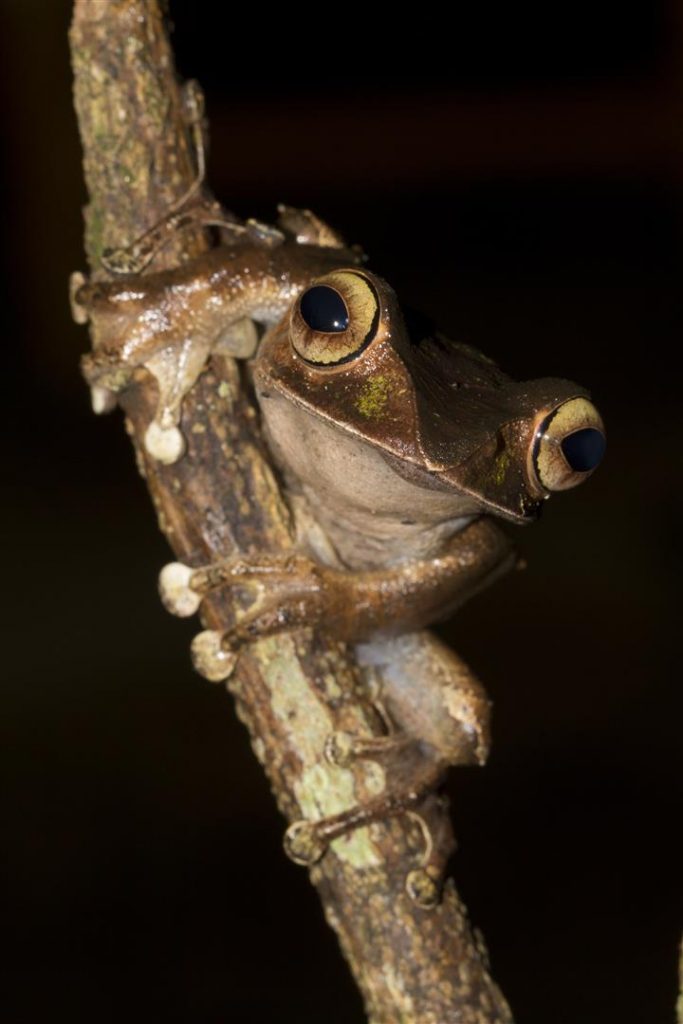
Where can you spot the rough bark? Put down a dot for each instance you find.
(411, 964)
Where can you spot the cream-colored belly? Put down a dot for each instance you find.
(372, 515)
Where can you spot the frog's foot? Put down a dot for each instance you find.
(211, 658)
(79, 311)
(164, 441)
(106, 377)
(306, 842)
(182, 588)
(215, 653)
(175, 370)
(307, 228)
(425, 882)
(290, 597)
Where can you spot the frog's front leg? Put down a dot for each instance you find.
(298, 592)
(168, 323)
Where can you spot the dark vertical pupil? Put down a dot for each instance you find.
(323, 309)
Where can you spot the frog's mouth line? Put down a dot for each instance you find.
(513, 502)
(529, 508)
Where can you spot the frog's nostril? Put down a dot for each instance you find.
(584, 449)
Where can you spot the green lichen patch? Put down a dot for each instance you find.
(374, 396)
(500, 468)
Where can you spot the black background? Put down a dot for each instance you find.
(519, 177)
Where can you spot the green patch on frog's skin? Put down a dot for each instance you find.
(374, 396)
(500, 467)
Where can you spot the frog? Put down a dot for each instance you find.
(398, 450)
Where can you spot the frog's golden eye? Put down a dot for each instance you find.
(335, 319)
(568, 445)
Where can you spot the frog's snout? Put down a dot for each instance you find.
(567, 445)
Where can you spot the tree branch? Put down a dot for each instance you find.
(411, 964)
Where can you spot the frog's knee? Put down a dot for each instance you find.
(468, 720)
(432, 694)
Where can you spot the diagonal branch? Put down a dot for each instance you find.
(411, 964)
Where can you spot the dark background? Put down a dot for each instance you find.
(519, 177)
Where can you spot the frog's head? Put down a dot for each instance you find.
(442, 414)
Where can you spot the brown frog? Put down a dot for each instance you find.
(396, 445)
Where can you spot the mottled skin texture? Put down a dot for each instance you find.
(342, 747)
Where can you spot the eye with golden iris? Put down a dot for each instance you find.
(335, 319)
(568, 445)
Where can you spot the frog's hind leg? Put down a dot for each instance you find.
(439, 716)
(191, 209)
(195, 208)
(430, 693)
(421, 683)
(404, 760)
(412, 781)
(413, 795)
(201, 213)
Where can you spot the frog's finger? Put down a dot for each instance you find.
(182, 588)
(215, 654)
